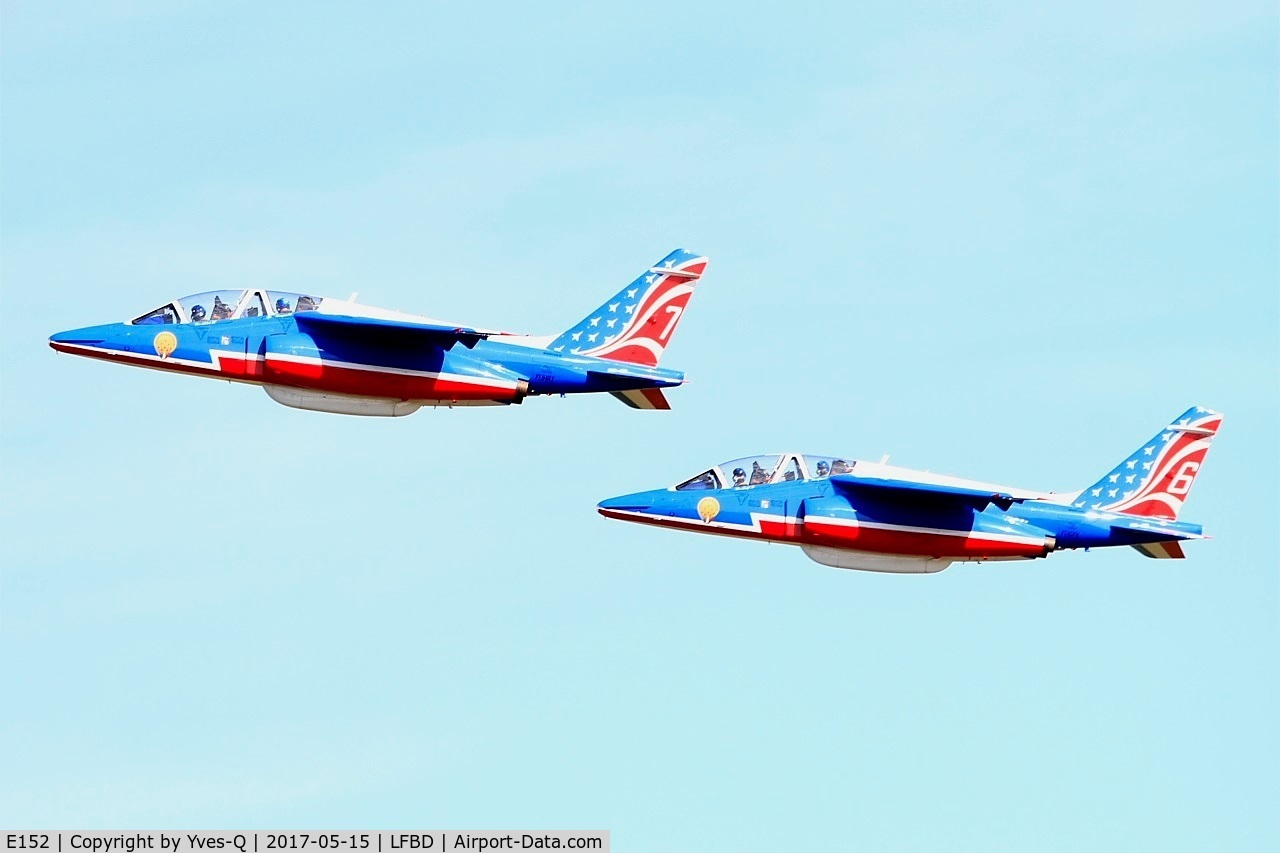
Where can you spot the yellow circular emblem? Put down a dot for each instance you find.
(165, 343)
(708, 508)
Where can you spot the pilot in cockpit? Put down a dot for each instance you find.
(283, 306)
(739, 478)
(221, 310)
(197, 314)
(823, 469)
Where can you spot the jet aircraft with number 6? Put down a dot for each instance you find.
(876, 517)
(330, 355)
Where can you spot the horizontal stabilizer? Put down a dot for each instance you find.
(933, 492)
(619, 371)
(1161, 550)
(386, 330)
(678, 273)
(1145, 527)
(643, 398)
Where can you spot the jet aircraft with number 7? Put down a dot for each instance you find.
(330, 355)
(876, 517)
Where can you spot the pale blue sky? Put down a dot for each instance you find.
(990, 241)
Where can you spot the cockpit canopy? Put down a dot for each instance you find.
(216, 305)
(760, 470)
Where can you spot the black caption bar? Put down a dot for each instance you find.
(258, 841)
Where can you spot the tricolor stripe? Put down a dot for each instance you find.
(643, 398)
(317, 374)
(874, 537)
(1162, 550)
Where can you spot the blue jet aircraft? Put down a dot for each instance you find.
(329, 355)
(879, 518)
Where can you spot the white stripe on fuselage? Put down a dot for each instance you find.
(394, 371)
(158, 362)
(214, 367)
(725, 526)
(818, 520)
(927, 531)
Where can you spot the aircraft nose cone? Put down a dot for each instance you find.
(75, 336)
(638, 502)
(88, 336)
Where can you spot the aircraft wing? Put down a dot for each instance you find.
(935, 493)
(377, 329)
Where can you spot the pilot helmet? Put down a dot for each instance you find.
(197, 313)
(738, 472)
(823, 468)
(282, 304)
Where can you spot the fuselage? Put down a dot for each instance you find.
(798, 503)
(350, 372)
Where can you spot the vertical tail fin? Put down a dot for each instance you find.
(1156, 478)
(637, 324)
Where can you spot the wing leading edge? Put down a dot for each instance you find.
(930, 492)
